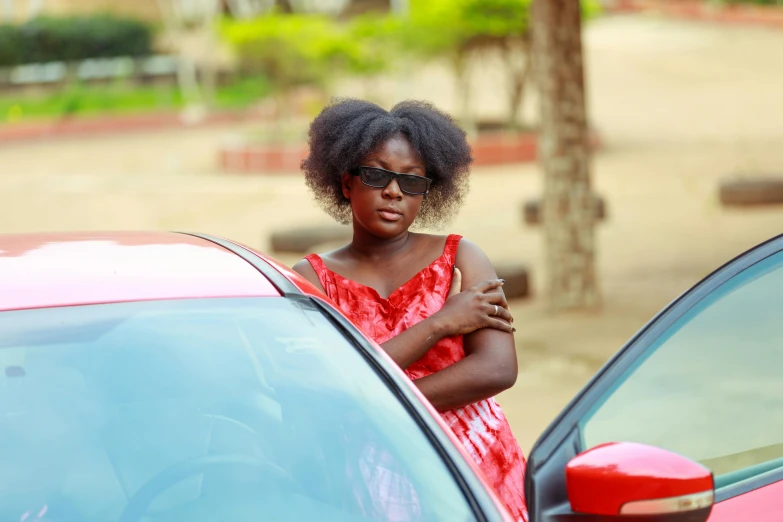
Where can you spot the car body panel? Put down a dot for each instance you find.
(764, 504)
(45, 270)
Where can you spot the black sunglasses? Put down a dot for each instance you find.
(379, 178)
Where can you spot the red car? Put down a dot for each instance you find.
(183, 377)
(176, 377)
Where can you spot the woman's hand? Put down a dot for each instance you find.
(490, 362)
(475, 308)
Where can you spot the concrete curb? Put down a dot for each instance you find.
(750, 192)
(302, 240)
(517, 278)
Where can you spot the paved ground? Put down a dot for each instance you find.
(680, 106)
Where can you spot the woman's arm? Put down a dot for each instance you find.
(463, 312)
(490, 363)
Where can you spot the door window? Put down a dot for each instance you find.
(711, 386)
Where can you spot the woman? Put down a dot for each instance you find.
(432, 302)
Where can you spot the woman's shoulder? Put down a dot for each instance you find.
(313, 262)
(473, 263)
(463, 253)
(469, 251)
(441, 240)
(334, 258)
(304, 268)
(436, 241)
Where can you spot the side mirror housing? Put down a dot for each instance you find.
(626, 479)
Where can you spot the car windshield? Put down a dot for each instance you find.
(205, 410)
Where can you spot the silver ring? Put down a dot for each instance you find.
(496, 309)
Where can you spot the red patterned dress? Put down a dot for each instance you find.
(481, 427)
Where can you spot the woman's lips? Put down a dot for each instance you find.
(390, 215)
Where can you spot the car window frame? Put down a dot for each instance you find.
(561, 441)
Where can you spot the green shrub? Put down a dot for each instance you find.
(293, 50)
(49, 39)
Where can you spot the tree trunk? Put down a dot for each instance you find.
(284, 6)
(568, 209)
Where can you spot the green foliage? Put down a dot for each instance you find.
(591, 9)
(296, 49)
(451, 27)
(83, 100)
(123, 98)
(242, 92)
(494, 18)
(49, 39)
(292, 49)
(377, 37)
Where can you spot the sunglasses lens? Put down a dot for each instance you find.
(375, 178)
(413, 184)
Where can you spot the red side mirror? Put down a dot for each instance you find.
(626, 478)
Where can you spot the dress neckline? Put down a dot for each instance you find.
(372, 291)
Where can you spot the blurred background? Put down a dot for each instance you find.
(192, 115)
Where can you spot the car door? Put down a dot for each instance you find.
(704, 381)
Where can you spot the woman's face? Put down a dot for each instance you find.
(386, 212)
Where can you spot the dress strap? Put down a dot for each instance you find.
(316, 262)
(320, 269)
(450, 250)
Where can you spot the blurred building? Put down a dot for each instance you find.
(20, 10)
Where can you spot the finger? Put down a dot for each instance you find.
(506, 315)
(503, 326)
(456, 282)
(496, 298)
(500, 313)
(490, 284)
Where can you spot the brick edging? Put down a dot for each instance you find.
(487, 149)
(86, 126)
(754, 15)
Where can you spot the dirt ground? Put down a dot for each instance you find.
(680, 107)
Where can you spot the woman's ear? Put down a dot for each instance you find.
(346, 181)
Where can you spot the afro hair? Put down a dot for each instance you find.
(347, 130)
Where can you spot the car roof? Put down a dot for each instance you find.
(64, 269)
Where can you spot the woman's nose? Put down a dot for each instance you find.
(392, 190)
